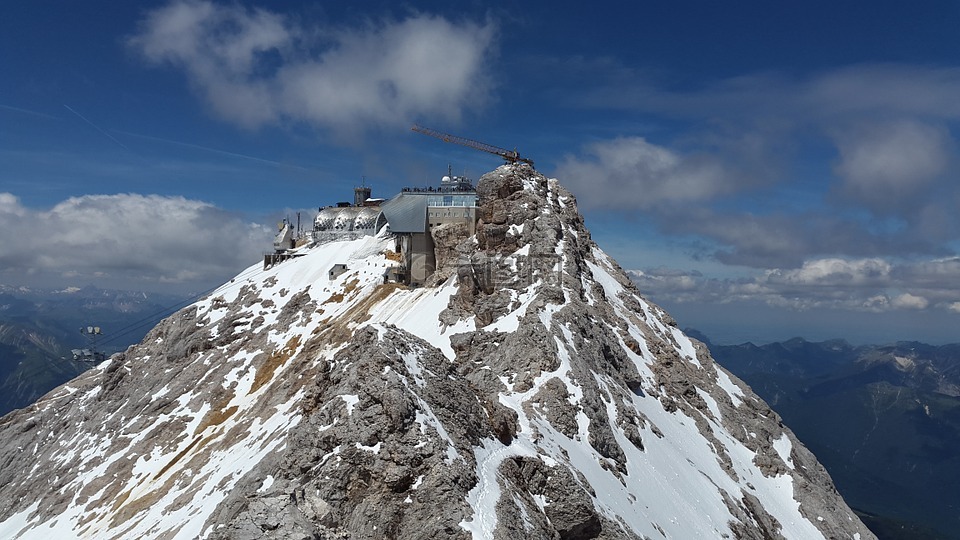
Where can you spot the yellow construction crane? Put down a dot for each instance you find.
(511, 156)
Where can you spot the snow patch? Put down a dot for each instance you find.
(484, 496)
(374, 449)
(351, 401)
(267, 482)
(784, 447)
(711, 404)
(724, 381)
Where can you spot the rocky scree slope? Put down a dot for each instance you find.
(530, 391)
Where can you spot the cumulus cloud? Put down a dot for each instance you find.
(931, 273)
(126, 241)
(687, 195)
(888, 123)
(833, 272)
(869, 284)
(910, 301)
(256, 67)
(760, 241)
(10, 206)
(632, 173)
(885, 164)
(770, 238)
(895, 199)
(667, 280)
(875, 232)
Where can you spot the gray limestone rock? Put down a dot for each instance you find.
(563, 406)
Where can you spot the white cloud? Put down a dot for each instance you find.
(910, 301)
(255, 67)
(833, 271)
(631, 173)
(666, 279)
(884, 88)
(10, 206)
(889, 123)
(932, 273)
(854, 91)
(127, 241)
(877, 303)
(870, 284)
(882, 163)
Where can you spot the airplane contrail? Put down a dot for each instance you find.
(208, 149)
(96, 127)
(28, 111)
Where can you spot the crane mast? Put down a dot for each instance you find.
(511, 156)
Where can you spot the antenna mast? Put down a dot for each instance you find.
(511, 156)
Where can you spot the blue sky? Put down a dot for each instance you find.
(766, 170)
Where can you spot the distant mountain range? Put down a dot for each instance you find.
(883, 419)
(40, 327)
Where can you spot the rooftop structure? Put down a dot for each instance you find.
(347, 219)
(414, 212)
(346, 222)
(411, 217)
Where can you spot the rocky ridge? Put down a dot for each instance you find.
(530, 390)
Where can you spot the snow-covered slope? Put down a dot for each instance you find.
(528, 390)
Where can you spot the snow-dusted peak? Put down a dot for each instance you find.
(527, 390)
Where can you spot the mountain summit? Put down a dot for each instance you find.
(525, 389)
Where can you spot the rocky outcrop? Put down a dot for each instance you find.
(447, 240)
(362, 464)
(529, 391)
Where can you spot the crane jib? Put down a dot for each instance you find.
(510, 156)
